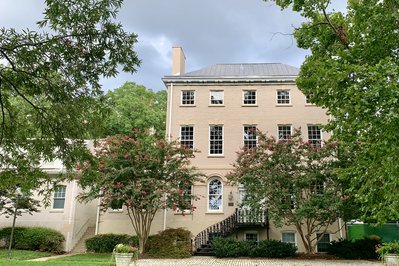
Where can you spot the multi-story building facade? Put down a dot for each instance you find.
(216, 110)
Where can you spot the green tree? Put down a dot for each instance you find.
(353, 71)
(295, 181)
(50, 96)
(143, 172)
(134, 106)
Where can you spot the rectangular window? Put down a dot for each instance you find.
(251, 237)
(216, 139)
(308, 97)
(216, 97)
(288, 237)
(187, 136)
(284, 132)
(59, 197)
(283, 97)
(185, 192)
(314, 135)
(249, 97)
(250, 139)
(324, 242)
(188, 97)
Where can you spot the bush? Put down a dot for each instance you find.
(105, 243)
(171, 243)
(273, 249)
(358, 249)
(228, 247)
(34, 238)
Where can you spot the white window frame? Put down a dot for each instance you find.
(116, 210)
(243, 97)
(179, 211)
(209, 141)
(252, 233)
(289, 97)
(192, 140)
(182, 98)
(289, 232)
(307, 99)
(210, 97)
(321, 135)
(243, 135)
(329, 241)
(59, 195)
(220, 209)
(278, 130)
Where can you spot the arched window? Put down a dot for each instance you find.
(215, 192)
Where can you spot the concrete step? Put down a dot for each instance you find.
(80, 247)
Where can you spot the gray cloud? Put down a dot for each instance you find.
(210, 31)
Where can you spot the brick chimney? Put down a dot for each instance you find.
(178, 61)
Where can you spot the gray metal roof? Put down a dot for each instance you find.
(244, 70)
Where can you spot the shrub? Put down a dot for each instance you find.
(34, 238)
(229, 247)
(105, 243)
(273, 249)
(358, 249)
(171, 243)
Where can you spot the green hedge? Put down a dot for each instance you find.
(171, 243)
(105, 243)
(34, 238)
(359, 249)
(228, 247)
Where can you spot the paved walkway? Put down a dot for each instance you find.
(212, 261)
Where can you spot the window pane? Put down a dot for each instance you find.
(284, 132)
(216, 97)
(216, 140)
(314, 135)
(323, 244)
(215, 191)
(283, 97)
(187, 136)
(252, 237)
(288, 237)
(249, 97)
(59, 197)
(250, 139)
(187, 97)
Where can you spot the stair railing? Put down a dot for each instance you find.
(222, 228)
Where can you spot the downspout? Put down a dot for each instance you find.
(98, 216)
(71, 216)
(169, 139)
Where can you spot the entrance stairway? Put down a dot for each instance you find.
(241, 218)
(80, 247)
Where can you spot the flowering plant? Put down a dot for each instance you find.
(388, 248)
(123, 248)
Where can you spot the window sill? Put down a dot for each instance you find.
(214, 212)
(283, 105)
(115, 211)
(216, 156)
(216, 105)
(57, 211)
(183, 213)
(249, 105)
(310, 105)
(187, 105)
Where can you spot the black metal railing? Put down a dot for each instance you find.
(241, 217)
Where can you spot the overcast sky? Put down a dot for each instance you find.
(210, 32)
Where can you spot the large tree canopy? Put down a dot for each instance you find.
(295, 181)
(133, 106)
(143, 172)
(50, 96)
(353, 70)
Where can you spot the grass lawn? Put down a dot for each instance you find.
(19, 258)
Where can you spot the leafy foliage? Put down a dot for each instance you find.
(353, 71)
(170, 243)
(34, 238)
(105, 243)
(295, 180)
(228, 247)
(50, 96)
(133, 106)
(140, 169)
(364, 249)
